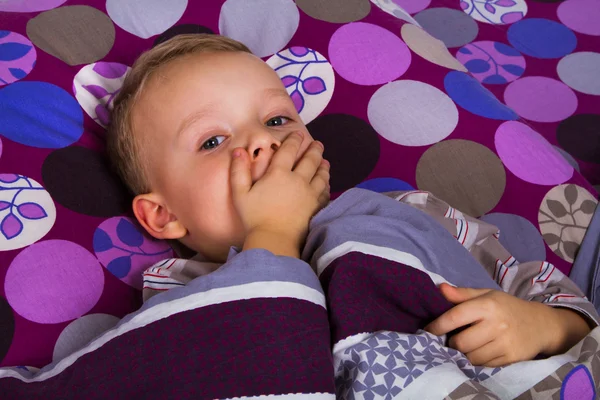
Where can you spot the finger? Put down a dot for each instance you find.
(486, 354)
(240, 175)
(498, 362)
(324, 198)
(285, 157)
(310, 161)
(458, 316)
(458, 295)
(473, 338)
(320, 180)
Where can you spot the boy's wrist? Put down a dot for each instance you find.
(566, 329)
(278, 243)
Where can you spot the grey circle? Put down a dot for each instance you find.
(519, 236)
(265, 26)
(453, 27)
(569, 158)
(80, 332)
(581, 71)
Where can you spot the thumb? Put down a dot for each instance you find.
(458, 295)
(240, 175)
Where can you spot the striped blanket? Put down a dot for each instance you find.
(263, 326)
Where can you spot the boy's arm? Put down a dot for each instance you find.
(566, 323)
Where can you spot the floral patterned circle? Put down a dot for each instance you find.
(95, 87)
(17, 57)
(27, 211)
(125, 251)
(497, 12)
(492, 62)
(308, 78)
(564, 216)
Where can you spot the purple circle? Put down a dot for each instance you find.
(126, 251)
(528, 155)
(29, 6)
(53, 281)
(412, 6)
(581, 15)
(541, 99)
(492, 62)
(519, 236)
(368, 54)
(17, 57)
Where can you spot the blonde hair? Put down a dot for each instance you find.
(124, 151)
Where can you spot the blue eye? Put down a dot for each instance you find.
(278, 121)
(212, 143)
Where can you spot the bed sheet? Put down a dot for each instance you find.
(500, 131)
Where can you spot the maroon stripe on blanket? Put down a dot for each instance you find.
(368, 294)
(241, 348)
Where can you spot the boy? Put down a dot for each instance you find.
(208, 140)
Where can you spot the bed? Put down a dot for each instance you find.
(493, 106)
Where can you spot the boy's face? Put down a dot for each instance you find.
(190, 117)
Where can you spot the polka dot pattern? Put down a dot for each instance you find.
(460, 98)
(80, 332)
(519, 236)
(125, 251)
(53, 281)
(91, 34)
(452, 27)
(474, 191)
(17, 55)
(397, 111)
(580, 72)
(529, 156)
(493, 63)
(541, 99)
(278, 21)
(542, 38)
(308, 78)
(367, 54)
(497, 12)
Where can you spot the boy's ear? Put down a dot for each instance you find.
(153, 215)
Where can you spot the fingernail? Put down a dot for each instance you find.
(320, 144)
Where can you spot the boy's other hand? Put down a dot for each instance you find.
(276, 209)
(502, 329)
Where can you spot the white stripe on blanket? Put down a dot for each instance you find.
(254, 290)
(377, 251)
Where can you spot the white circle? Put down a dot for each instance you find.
(265, 26)
(401, 112)
(581, 72)
(27, 212)
(295, 68)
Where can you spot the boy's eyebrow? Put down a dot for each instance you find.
(191, 119)
(275, 92)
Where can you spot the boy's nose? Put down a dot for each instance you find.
(261, 148)
(262, 145)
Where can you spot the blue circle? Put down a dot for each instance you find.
(381, 185)
(40, 114)
(468, 93)
(519, 236)
(542, 38)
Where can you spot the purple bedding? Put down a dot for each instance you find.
(497, 131)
